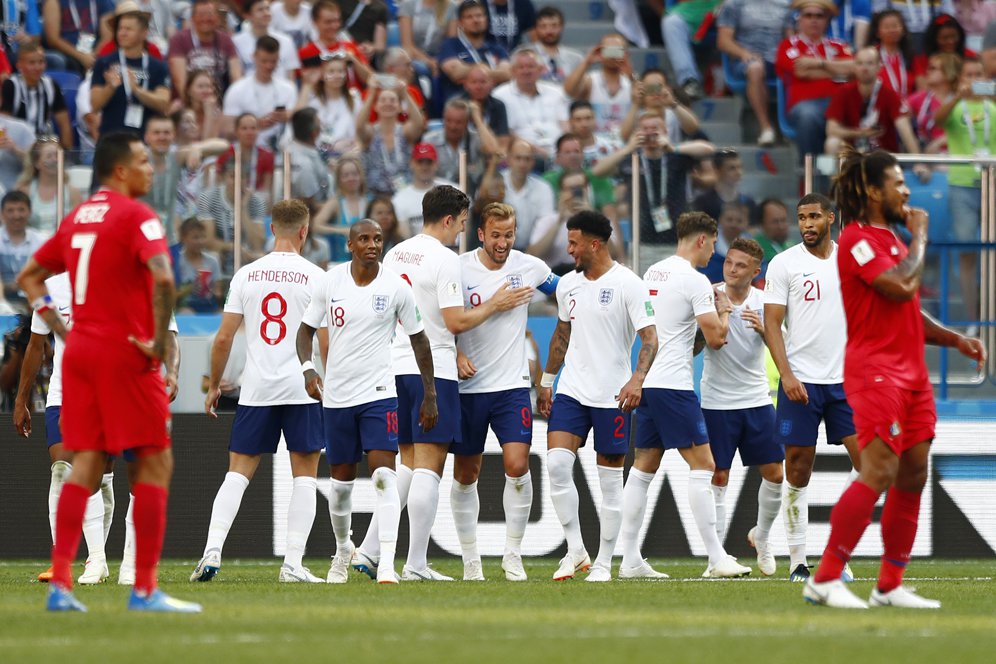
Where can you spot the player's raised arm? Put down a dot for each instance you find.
(220, 350)
(459, 320)
(901, 282)
(31, 280)
(715, 325)
(29, 371)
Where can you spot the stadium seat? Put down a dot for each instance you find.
(932, 197)
(393, 34)
(79, 177)
(783, 122)
(65, 79)
(736, 84)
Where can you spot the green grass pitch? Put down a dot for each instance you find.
(249, 617)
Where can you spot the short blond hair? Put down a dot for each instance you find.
(496, 211)
(290, 215)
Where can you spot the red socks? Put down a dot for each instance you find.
(899, 523)
(68, 530)
(848, 521)
(150, 527)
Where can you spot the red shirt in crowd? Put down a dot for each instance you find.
(795, 47)
(264, 164)
(111, 46)
(881, 109)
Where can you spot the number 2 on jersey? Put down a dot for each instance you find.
(84, 242)
(276, 318)
(812, 287)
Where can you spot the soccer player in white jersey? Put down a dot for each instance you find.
(736, 403)
(494, 389)
(433, 271)
(100, 507)
(271, 295)
(601, 307)
(363, 303)
(802, 290)
(670, 416)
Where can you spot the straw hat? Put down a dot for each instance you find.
(829, 6)
(128, 8)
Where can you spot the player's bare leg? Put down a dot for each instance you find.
(517, 500)
(367, 556)
(241, 468)
(645, 464)
(562, 450)
(769, 503)
(423, 501)
(301, 517)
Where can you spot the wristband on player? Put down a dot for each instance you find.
(307, 366)
(547, 379)
(42, 304)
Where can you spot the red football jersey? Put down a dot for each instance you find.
(804, 89)
(104, 244)
(849, 108)
(885, 341)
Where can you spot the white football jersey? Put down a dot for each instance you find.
(679, 293)
(434, 274)
(605, 315)
(272, 294)
(361, 322)
(497, 347)
(815, 328)
(734, 376)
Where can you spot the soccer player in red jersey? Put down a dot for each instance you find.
(885, 377)
(114, 248)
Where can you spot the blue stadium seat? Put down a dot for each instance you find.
(69, 84)
(783, 122)
(932, 197)
(393, 34)
(734, 82)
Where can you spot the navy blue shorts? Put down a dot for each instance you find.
(53, 435)
(509, 413)
(751, 431)
(798, 424)
(256, 429)
(410, 393)
(611, 425)
(349, 432)
(671, 419)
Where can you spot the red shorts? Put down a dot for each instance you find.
(901, 418)
(114, 399)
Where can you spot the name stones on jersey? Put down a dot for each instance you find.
(605, 296)
(380, 303)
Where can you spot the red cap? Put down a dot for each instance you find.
(424, 151)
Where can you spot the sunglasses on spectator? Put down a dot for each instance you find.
(813, 15)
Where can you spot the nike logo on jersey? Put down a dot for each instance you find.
(471, 287)
(339, 300)
(808, 274)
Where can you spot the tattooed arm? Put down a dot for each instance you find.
(903, 281)
(559, 342)
(631, 393)
(428, 413)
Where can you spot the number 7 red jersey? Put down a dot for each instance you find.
(105, 244)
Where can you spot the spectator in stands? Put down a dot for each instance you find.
(408, 200)
(548, 236)
(218, 203)
(943, 72)
(652, 93)
(531, 196)
(892, 39)
(326, 89)
(537, 110)
(31, 96)
(945, 35)
(471, 47)
(511, 20)
(343, 209)
(749, 33)
(609, 89)
(159, 137)
(16, 136)
(40, 181)
(774, 234)
(989, 50)
(582, 124)
(560, 61)
(387, 143)
(311, 180)
(852, 22)
(397, 63)
(570, 157)
(976, 16)
(204, 45)
(664, 169)
(162, 24)
(477, 89)
(198, 272)
(381, 210)
(967, 119)
(916, 15)
(259, 23)
(5, 71)
(812, 67)
(327, 18)
(733, 221)
(263, 95)
(464, 129)
(17, 241)
(679, 27)
(128, 86)
(202, 96)
(729, 174)
(366, 25)
(869, 114)
(423, 26)
(76, 29)
(87, 122)
(293, 18)
(257, 163)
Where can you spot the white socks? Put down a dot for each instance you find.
(387, 514)
(128, 557)
(466, 507)
(703, 505)
(226, 507)
(517, 500)
(107, 497)
(719, 494)
(60, 471)
(634, 509)
(371, 543)
(423, 500)
(93, 527)
(796, 515)
(300, 519)
(341, 512)
(769, 501)
(851, 476)
(563, 493)
(610, 514)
